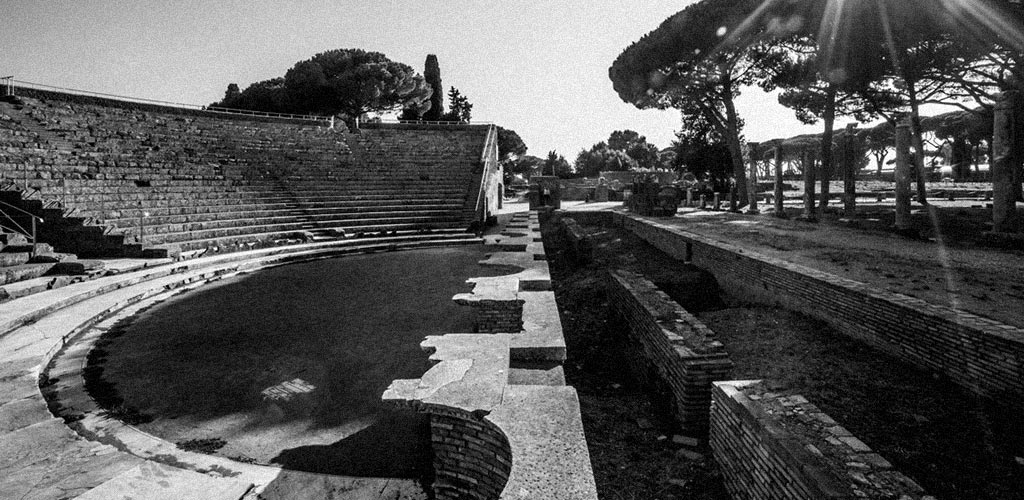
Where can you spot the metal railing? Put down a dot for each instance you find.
(398, 121)
(20, 229)
(10, 83)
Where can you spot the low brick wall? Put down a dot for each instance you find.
(579, 245)
(982, 355)
(472, 457)
(499, 316)
(775, 447)
(670, 344)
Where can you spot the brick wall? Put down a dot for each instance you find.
(580, 248)
(979, 354)
(472, 457)
(498, 316)
(774, 447)
(670, 347)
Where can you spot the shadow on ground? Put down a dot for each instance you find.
(399, 442)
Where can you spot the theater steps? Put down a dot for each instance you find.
(25, 269)
(117, 181)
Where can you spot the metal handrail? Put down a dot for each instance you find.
(34, 218)
(197, 107)
(21, 210)
(423, 122)
(17, 227)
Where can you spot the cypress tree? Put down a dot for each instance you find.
(432, 74)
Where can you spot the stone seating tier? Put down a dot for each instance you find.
(206, 178)
(193, 214)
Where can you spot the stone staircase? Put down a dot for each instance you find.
(26, 269)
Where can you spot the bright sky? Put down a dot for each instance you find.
(537, 67)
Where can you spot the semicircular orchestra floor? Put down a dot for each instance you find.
(287, 365)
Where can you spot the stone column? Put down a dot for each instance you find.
(752, 179)
(810, 177)
(779, 212)
(1004, 162)
(849, 172)
(903, 176)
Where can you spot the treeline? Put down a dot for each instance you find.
(862, 59)
(350, 83)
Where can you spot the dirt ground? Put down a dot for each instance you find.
(955, 445)
(628, 433)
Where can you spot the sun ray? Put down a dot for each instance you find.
(890, 40)
(734, 36)
(984, 21)
(828, 33)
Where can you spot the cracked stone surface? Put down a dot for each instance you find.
(485, 358)
(499, 288)
(153, 481)
(546, 435)
(47, 460)
(541, 338)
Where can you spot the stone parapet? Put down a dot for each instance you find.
(494, 437)
(497, 303)
(494, 440)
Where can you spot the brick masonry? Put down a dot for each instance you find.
(580, 247)
(472, 457)
(670, 347)
(980, 354)
(499, 316)
(775, 447)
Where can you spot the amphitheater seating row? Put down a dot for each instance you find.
(184, 181)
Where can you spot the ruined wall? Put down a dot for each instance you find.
(981, 355)
(774, 447)
(670, 346)
(472, 457)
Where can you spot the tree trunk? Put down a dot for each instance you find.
(733, 140)
(917, 141)
(826, 144)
